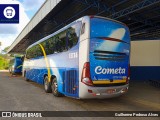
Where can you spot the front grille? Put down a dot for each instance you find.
(109, 55)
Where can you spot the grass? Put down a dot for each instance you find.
(4, 62)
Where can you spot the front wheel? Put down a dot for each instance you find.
(26, 79)
(55, 88)
(47, 85)
(11, 71)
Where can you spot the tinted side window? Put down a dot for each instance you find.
(45, 45)
(31, 53)
(55, 44)
(51, 47)
(73, 34)
(62, 41)
(37, 51)
(83, 29)
(28, 54)
(34, 52)
(58, 43)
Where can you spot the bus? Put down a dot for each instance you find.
(15, 65)
(88, 58)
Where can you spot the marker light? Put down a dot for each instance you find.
(124, 90)
(92, 16)
(128, 77)
(86, 74)
(90, 91)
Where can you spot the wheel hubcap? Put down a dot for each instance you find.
(46, 84)
(54, 87)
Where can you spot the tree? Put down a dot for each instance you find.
(5, 49)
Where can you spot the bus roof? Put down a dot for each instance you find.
(109, 19)
(80, 19)
(43, 39)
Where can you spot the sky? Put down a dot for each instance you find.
(9, 32)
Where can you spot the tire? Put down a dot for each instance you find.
(47, 85)
(12, 73)
(55, 88)
(26, 79)
(9, 70)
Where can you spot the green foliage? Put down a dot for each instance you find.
(4, 62)
(5, 49)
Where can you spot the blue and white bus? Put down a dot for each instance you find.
(15, 65)
(88, 58)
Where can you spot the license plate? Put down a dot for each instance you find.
(111, 91)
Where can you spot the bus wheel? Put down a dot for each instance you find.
(12, 73)
(9, 71)
(47, 85)
(26, 79)
(55, 88)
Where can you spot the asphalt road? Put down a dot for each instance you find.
(18, 95)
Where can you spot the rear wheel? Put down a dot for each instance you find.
(47, 85)
(55, 88)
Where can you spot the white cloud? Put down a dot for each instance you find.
(32, 4)
(9, 32)
(7, 40)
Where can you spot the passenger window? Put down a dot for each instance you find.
(58, 43)
(27, 54)
(39, 51)
(73, 34)
(83, 29)
(51, 45)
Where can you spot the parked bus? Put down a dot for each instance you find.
(15, 65)
(88, 58)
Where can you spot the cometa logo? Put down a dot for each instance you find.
(100, 70)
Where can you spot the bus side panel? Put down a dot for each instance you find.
(62, 65)
(39, 74)
(35, 69)
(65, 67)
